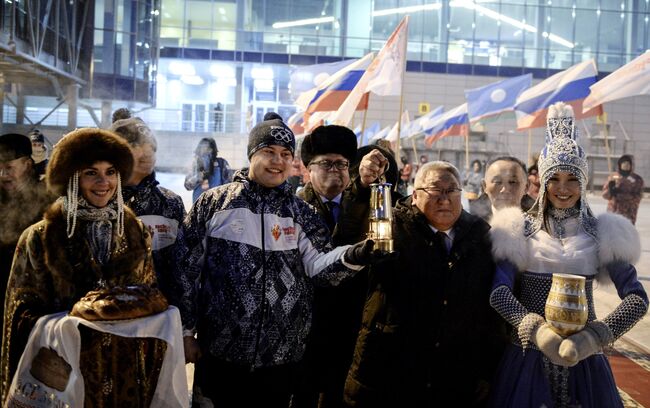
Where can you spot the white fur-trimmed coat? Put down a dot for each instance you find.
(618, 239)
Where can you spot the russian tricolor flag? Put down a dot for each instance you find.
(451, 123)
(570, 86)
(333, 91)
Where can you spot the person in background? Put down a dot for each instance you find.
(473, 183)
(405, 176)
(299, 175)
(504, 185)
(208, 170)
(624, 189)
(424, 159)
(39, 152)
(561, 235)
(87, 240)
(218, 117)
(160, 209)
(249, 253)
(23, 198)
(428, 336)
(533, 186)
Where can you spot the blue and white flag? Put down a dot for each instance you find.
(496, 98)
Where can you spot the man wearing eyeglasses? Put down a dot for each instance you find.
(327, 153)
(428, 336)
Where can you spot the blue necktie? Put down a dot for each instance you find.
(331, 217)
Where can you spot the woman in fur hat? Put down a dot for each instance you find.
(559, 234)
(87, 239)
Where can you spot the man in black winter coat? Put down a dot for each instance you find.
(328, 153)
(429, 337)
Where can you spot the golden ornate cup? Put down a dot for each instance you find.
(566, 306)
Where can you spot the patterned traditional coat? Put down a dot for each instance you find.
(625, 198)
(51, 272)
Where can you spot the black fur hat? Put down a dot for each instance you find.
(272, 131)
(330, 139)
(80, 149)
(14, 146)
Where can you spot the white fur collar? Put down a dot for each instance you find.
(508, 240)
(618, 239)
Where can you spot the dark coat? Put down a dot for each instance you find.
(427, 316)
(149, 198)
(337, 310)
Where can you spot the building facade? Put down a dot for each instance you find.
(204, 67)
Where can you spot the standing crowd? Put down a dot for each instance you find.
(283, 300)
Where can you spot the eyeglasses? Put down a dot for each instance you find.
(435, 192)
(327, 164)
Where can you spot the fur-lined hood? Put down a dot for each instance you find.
(618, 239)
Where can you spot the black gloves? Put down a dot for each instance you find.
(612, 187)
(363, 253)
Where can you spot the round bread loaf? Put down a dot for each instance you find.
(120, 303)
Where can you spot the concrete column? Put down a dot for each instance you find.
(72, 97)
(107, 110)
(2, 98)
(20, 104)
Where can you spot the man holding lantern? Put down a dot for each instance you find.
(428, 335)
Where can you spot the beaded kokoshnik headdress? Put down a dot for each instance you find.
(561, 153)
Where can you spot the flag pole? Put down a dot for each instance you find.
(365, 116)
(530, 143)
(415, 150)
(467, 148)
(399, 120)
(607, 150)
(401, 95)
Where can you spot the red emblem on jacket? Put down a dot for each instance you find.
(276, 232)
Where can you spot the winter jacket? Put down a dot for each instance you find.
(248, 256)
(428, 333)
(162, 211)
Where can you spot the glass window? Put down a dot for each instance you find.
(432, 34)
(172, 23)
(358, 26)
(611, 31)
(513, 31)
(586, 39)
(461, 35)
(199, 14)
(486, 37)
(558, 31)
(186, 123)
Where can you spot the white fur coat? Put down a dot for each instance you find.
(618, 239)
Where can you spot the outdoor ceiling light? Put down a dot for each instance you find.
(471, 5)
(307, 21)
(407, 9)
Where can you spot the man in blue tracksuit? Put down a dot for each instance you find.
(249, 252)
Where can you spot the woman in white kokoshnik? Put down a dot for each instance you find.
(561, 235)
